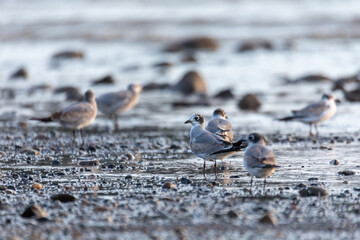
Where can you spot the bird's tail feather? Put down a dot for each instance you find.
(47, 119)
(286, 118)
(236, 147)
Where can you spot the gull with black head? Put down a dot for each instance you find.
(207, 145)
(315, 113)
(259, 161)
(220, 125)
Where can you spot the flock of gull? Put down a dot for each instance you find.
(212, 142)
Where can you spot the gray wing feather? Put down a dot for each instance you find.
(77, 112)
(112, 101)
(221, 127)
(208, 142)
(314, 109)
(259, 156)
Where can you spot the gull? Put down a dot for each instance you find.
(259, 161)
(315, 113)
(76, 116)
(220, 125)
(114, 103)
(207, 145)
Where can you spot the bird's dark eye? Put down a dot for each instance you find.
(252, 137)
(197, 118)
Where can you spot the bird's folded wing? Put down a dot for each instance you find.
(315, 109)
(77, 112)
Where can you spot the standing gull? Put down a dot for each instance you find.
(220, 125)
(315, 113)
(259, 161)
(114, 103)
(207, 145)
(76, 116)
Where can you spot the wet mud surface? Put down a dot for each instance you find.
(145, 183)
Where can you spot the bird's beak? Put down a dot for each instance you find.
(187, 121)
(337, 101)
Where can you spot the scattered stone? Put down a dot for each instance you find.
(63, 197)
(40, 87)
(41, 137)
(313, 191)
(55, 163)
(185, 180)
(156, 86)
(251, 45)
(37, 186)
(168, 185)
(249, 102)
(129, 156)
(334, 162)
(197, 43)
(232, 214)
(21, 73)
(312, 78)
(89, 163)
(34, 211)
(69, 54)
(346, 173)
(269, 219)
(128, 177)
(188, 57)
(28, 151)
(191, 83)
(91, 148)
(225, 94)
(192, 103)
(72, 93)
(163, 65)
(313, 179)
(104, 80)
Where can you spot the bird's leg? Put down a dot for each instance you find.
(215, 169)
(251, 183)
(310, 132)
(82, 137)
(116, 126)
(74, 137)
(316, 129)
(204, 169)
(264, 185)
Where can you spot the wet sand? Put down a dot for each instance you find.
(123, 196)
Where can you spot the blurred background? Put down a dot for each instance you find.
(285, 52)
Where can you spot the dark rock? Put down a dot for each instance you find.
(21, 73)
(249, 102)
(232, 214)
(34, 211)
(55, 163)
(268, 218)
(156, 86)
(340, 82)
(111, 166)
(40, 87)
(192, 103)
(68, 55)
(175, 147)
(63, 197)
(89, 163)
(251, 45)
(168, 185)
(91, 148)
(191, 83)
(104, 80)
(185, 180)
(313, 191)
(72, 93)
(225, 94)
(128, 177)
(163, 65)
(313, 179)
(334, 162)
(188, 57)
(197, 43)
(310, 79)
(346, 173)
